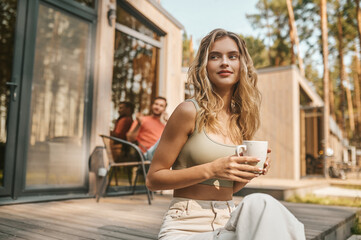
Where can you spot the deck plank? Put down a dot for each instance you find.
(8, 237)
(24, 233)
(35, 227)
(129, 218)
(71, 232)
(64, 222)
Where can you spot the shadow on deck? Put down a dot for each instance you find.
(130, 217)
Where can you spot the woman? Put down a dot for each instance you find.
(196, 153)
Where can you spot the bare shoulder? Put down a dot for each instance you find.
(187, 108)
(185, 111)
(184, 116)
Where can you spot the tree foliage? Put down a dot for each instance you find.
(273, 20)
(187, 48)
(258, 51)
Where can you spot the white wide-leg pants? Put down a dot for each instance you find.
(257, 217)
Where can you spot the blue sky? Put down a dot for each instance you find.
(199, 17)
(202, 16)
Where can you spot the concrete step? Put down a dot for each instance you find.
(354, 237)
(321, 222)
(324, 222)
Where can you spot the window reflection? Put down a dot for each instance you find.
(124, 18)
(134, 78)
(7, 30)
(134, 72)
(88, 3)
(55, 152)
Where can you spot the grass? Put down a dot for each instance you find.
(356, 229)
(347, 186)
(335, 201)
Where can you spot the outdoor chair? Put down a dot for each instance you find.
(120, 154)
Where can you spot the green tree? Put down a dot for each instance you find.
(308, 17)
(188, 52)
(311, 74)
(343, 31)
(273, 19)
(355, 72)
(257, 50)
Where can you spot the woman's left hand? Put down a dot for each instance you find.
(267, 164)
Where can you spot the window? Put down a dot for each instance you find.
(136, 64)
(88, 3)
(136, 54)
(126, 19)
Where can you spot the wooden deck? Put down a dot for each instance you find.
(130, 217)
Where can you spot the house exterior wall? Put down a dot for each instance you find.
(96, 44)
(336, 142)
(170, 82)
(337, 147)
(280, 121)
(103, 72)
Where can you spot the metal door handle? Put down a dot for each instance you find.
(13, 87)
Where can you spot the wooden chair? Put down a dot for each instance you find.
(122, 153)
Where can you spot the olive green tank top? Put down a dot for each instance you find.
(200, 149)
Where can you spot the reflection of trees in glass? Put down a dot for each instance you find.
(89, 3)
(124, 18)
(55, 155)
(7, 30)
(134, 72)
(59, 76)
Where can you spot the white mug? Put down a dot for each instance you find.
(256, 149)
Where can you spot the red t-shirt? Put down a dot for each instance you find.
(121, 127)
(149, 132)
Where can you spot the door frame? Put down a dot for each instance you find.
(13, 108)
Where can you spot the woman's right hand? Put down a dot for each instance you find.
(235, 168)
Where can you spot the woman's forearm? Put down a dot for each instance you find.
(165, 179)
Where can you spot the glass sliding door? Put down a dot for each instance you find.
(46, 65)
(8, 18)
(56, 153)
(135, 71)
(7, 30)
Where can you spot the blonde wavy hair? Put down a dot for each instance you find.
(246, 99)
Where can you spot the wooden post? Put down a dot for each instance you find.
(356, 79)
(294, 35)
(303, 142)
(326, 109)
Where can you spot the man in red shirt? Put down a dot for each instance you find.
(124, 121)
(146, 130)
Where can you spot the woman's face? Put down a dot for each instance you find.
(223, 64)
